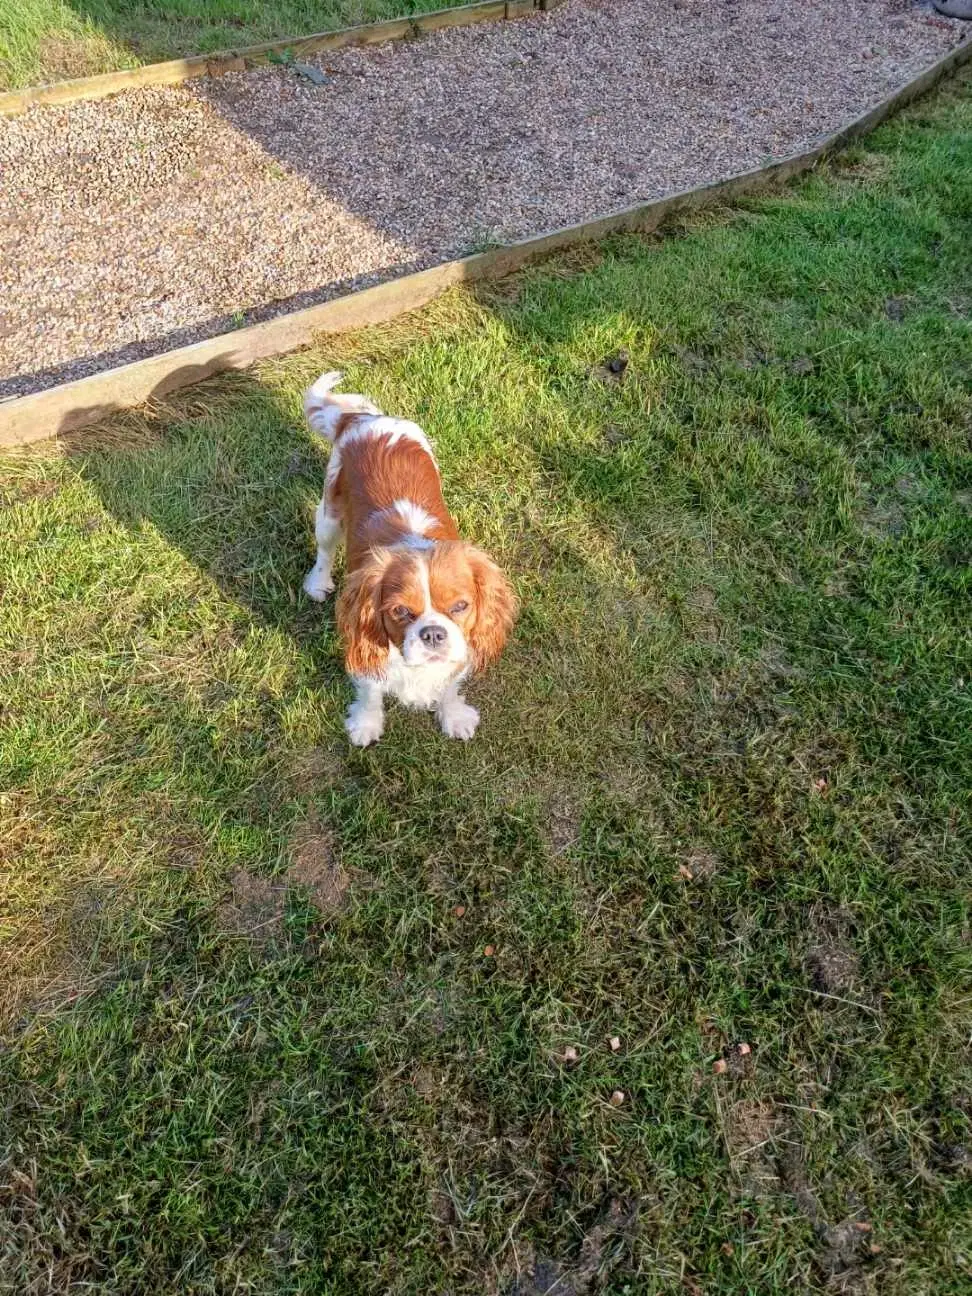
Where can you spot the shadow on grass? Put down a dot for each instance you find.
(229, 478)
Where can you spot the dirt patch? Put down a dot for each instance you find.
(255, 907)
(842, 1249)
(615, 436)
(65, 57)
(700, 614)
(564, 819)
(613, 370)
(776, 665)
(25, 491)
(424, 1082)
(896, 308)
(750, 1125)
(317, 867)
(183, 851)
(315, 770)
(702, 864)
(883, 520)
(831, 962)
(833, 967)
(910, 488)
(602, 1247)
(751, 1132)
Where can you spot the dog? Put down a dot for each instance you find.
(420, 609)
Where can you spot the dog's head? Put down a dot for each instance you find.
(448, 603)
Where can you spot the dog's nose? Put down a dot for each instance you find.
(433, 636)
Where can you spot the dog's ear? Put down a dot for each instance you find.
(495, 609)
(359, 619)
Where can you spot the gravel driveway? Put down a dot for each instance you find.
(159, 217)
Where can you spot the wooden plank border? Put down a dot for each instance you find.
(73, 405)
(176, 71)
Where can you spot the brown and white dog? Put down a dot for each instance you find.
(420, 609)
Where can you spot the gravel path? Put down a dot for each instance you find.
(158, 217)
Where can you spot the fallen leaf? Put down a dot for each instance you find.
(685, 872)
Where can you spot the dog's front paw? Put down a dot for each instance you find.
(364, 727)
(459, 720)
(318, 584)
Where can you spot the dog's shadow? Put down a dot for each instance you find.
(229, 476)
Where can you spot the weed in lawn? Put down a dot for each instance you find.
(720, 797)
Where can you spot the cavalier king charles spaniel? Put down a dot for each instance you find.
(420, 609)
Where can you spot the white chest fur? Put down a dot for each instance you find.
(431, 686)
(422, 687)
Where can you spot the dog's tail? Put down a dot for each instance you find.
(324, 408)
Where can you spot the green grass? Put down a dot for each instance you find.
(720, 794)
(53, 40)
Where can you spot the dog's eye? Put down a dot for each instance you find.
(402, 613)
(458, 607)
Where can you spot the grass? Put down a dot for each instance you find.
(53, 40)
(720, 795)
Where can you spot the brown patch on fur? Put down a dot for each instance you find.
(347, 421)
(373, 476)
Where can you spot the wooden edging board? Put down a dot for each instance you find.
(73, 405)
(175, 71)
